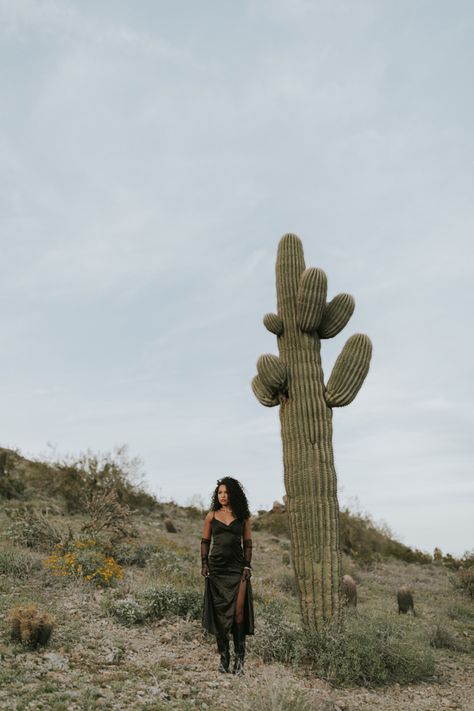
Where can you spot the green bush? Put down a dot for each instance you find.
(17, 564)
(367, 652)
(11, 484)
(276, 638)
(32, 528)
(128, 611)
(459, 612)
(443, 638)
(126, 554)
(464, 579)
(358, 652)
(168, 601)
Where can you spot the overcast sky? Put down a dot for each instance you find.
(151, 156)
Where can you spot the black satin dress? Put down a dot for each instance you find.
(226, 563)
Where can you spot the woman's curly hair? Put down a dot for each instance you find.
(237, 498)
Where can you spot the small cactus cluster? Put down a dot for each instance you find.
(294, 380)
(30, 625)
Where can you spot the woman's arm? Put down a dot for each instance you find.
(206, 544)
(247, 538)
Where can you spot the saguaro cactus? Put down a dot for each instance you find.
(295, 381)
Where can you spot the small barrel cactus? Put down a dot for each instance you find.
(294, 380)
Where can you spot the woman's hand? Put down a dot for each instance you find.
(246, 574)
(205, 570)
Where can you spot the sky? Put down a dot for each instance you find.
(152, 154)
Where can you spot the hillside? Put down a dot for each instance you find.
(135, 641)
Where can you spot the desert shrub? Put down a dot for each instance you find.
(106, 514)
(443, 638)
(277, 692)
(16, 563)
(464, 579)
(459, 612)
(276, 637)
(84, 559)
(275, 522)
(177, 567)
(367, 652)
(11, 484)
(129, 611)
(77, 479)
(30, 626)
(34, 529)
(168, 601)
(126, 554)
(287, 584)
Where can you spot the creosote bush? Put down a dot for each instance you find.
(126, 554)
(156, 603)
(17, 563)
(464, 579)
(33, 528)
(443, 638)
(168, 601)
(358, 652)
(277, 638)
(30, 626)
(367, 652)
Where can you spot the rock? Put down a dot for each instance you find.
(55, 661)
(114, 656)
(278, 507)
(169, 525)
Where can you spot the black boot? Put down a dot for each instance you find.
(223, 649)
(238, 632)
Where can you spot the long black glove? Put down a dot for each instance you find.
(205, 546)
(247, 572)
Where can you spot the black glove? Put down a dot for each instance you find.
(205, 545)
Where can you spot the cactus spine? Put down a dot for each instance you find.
(295, 381)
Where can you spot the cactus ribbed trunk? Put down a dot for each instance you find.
(295, 381)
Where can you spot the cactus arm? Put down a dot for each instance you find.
(263, 394)
(336, 315)
(350, 369)
(289, 268)
(273, 323)
(272, 372)
(311, 299)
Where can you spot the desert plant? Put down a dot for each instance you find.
(126, 554)
(276, 638)
(84, 559)
(295, 381)
(276, 691)
(107, 514)
(366, 652)
(30, 625)
(33, 528)
(17, 563)
(129, 611)
(464, 579)
(168, 601)
(443, 638)
(11, 486)
(460, 612)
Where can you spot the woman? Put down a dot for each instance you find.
(228, 604)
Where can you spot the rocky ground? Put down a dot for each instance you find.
(94, 661)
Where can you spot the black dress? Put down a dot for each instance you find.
(226, 562)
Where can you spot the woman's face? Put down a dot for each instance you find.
(222, 495)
